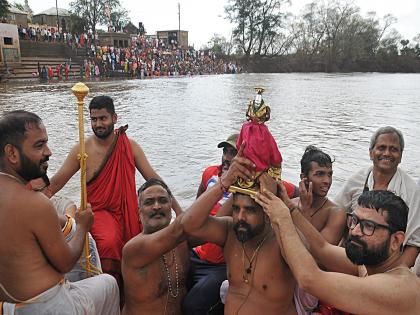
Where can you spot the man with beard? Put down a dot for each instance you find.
(155, 262)
(385, 151)
(35, 256)
(111, 186)
(259, 278)
(376, 236)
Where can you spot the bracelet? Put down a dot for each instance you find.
(222, 187)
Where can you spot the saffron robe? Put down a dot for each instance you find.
(112, 194)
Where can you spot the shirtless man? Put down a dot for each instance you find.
(155, 262)
(111, 188)
(316, 179)
(260, 280)
(376, 235)
(36, 256)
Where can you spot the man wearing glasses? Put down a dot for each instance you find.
(373, 246)
(385, 151)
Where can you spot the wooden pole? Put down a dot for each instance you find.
(80, 90)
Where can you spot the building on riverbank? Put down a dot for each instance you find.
(49, 17)
(9, 44)
(176, 37)
(17, 17)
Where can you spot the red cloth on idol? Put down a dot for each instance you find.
(260, 148)
(113, 197)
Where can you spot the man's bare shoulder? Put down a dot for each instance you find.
(407, 282)
(334, 208)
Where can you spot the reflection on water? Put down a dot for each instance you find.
(180, 121)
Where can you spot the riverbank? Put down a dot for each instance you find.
(308, 63)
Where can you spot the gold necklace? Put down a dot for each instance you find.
(168, 275)
(248, 271)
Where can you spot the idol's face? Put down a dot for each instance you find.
(155, 208)
(102, 122)
(386, 154)
(248, 217)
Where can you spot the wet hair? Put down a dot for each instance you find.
(153, 182)
(395, 207)
(14, 125)
(383, 131)
(103, 101)
(313, 154)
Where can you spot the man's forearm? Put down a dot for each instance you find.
(301, 263)
(198, 213)
(77, 242)
(314, 239)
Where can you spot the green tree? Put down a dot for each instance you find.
(4, 8)
(119, 18)
(219, 45)
(257, 24)
(95, 12)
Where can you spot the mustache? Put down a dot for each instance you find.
(242, 224)
(46, 159)
(356, 239)
(155, 213)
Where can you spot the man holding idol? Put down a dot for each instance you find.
(260, 281)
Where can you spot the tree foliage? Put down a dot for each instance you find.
(219, 45)
(119, 18)
(95, 12)
(257, 24)
(4, 8)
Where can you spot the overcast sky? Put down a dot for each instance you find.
(203, 18)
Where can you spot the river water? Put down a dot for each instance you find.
(180, 121)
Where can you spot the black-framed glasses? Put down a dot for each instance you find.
(366, 226)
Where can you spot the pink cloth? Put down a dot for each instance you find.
(260, 148)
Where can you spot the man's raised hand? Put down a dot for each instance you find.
(239, 167)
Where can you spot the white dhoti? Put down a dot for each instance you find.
(93, 296)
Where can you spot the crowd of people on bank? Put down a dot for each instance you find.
(144, 57)
(233, 251)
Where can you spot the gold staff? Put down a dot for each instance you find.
(80, 90)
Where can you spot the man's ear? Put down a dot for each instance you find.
(302, 176)
(370, 155)
(397, 240)
(11, 153)
(114, 118)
